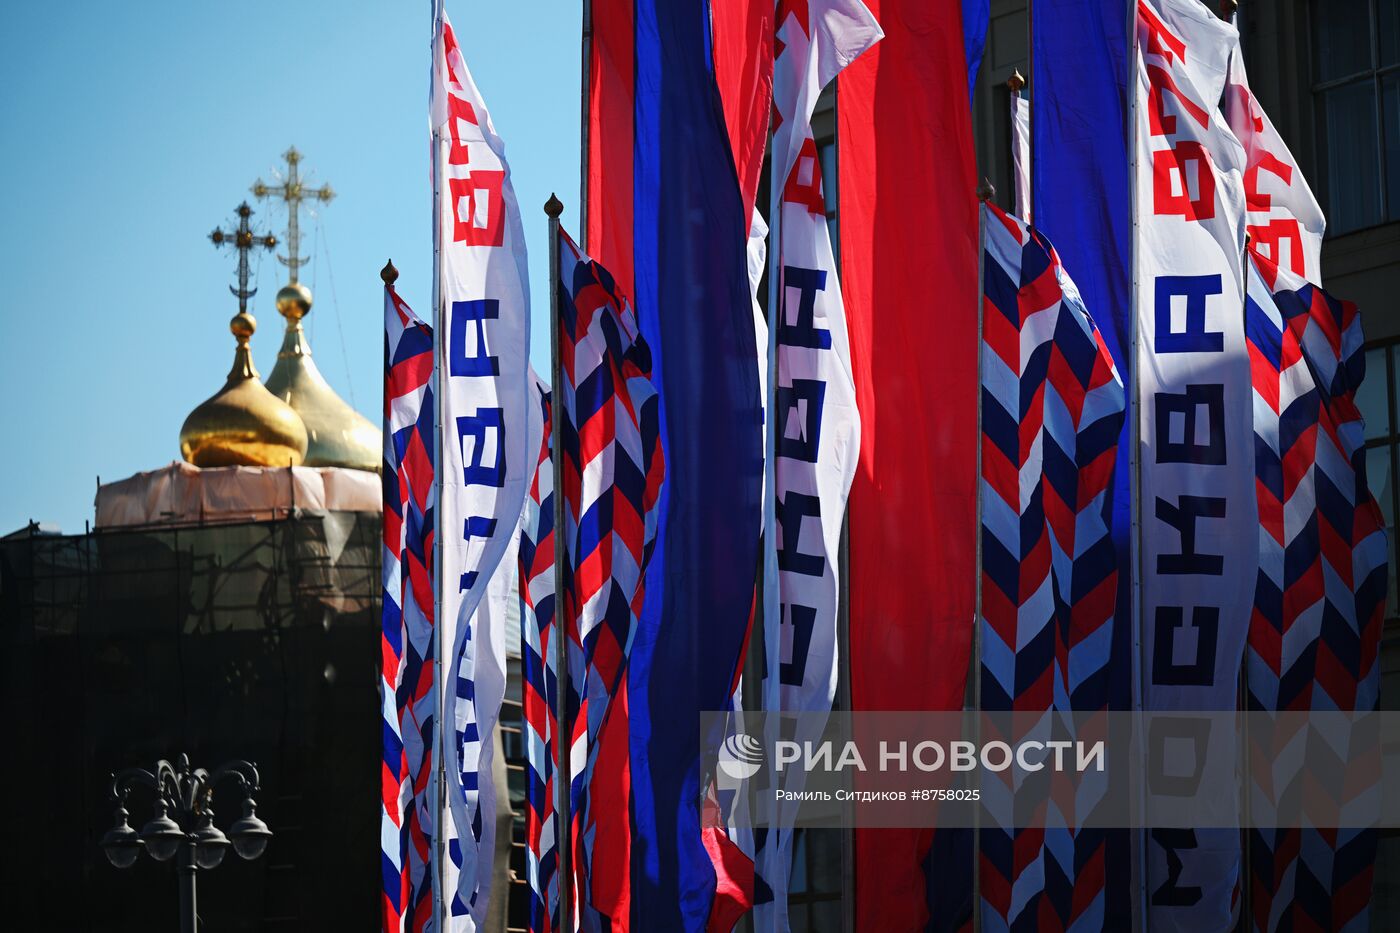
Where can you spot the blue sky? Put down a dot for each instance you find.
(131, 130)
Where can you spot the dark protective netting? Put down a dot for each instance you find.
(256, 641)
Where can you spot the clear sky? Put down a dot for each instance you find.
(128, 131)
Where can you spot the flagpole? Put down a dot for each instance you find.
(584, 120)
(439, 368)
(985, 192)
(1030, 115)
(1134, 451)
(843, 643)
(440, 702)
(1229, 11)
(772, 598)
(563, 738)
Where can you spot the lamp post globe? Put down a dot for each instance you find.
(162, 835)
(210, 843)
(249, 834)
(121, 843)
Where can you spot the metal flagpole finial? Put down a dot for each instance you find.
(1228, 8)
(1017, 81)
(986, 191)
(389, 274)
(553, 207)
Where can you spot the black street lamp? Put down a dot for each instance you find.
(184, 823)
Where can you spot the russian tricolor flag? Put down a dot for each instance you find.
(668, 214)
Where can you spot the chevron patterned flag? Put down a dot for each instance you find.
(1315, 634)
(539, 675)
(613, 471)
(406, 671)
(1052, 409)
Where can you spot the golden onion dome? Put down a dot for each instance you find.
(337, 435)
(243, 424)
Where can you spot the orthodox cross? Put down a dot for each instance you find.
(244, 240)
(293, 191)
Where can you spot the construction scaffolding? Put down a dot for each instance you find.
(256, 640)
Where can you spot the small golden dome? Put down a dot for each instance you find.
(243, 424)
(337, 435)
(293, 301)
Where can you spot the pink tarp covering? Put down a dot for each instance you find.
(182, 494)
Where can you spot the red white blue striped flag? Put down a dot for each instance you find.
(612, 471)
(1315, 634)
(406, 672)
(539, 686)
(1053, 406)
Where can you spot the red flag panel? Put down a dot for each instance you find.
(908, 219)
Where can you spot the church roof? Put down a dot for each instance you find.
(337, 435)
(243, 424)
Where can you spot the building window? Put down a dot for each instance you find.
(814, 890)
(826, 153)
(1356, 89)
(1379, 404)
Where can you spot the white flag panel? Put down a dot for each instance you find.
(485, 463)
(1284, 220)
(816, 424)
(1197, 506)
(1021, 153)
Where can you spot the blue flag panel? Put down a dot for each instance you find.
(1081, 58)
(693, 305)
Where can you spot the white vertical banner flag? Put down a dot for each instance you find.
(816, 425)
(1284, 220)
(483, 319)
(1021, 153)
(1198, 512)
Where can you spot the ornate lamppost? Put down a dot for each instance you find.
(183, 824)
